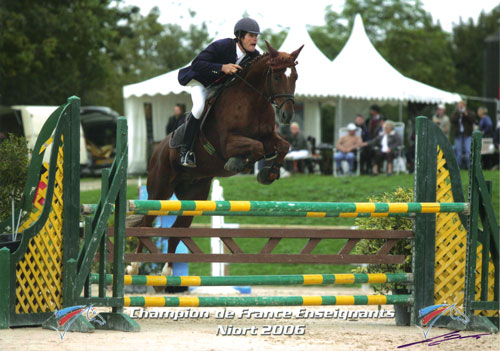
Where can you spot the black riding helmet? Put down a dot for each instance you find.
(246, 25)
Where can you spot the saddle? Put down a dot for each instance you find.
(177, 138)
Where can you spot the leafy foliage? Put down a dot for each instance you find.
(468, 51)
(14, 164)
(402, 247)
(57, 48)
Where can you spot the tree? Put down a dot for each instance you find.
(54, 49)
(401, 30)
(468, 51)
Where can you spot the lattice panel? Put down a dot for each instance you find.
(39, 273)
(39, 200)
(451, 239)
(451, 236)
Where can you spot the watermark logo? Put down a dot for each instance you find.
(67, 316)
(428, 317)
(431, 314)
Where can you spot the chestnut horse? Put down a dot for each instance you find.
(240, 126)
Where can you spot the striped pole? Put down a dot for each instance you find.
(268, 214)
(299, 279)
(89, 209)
(263, 207)
(228, 301)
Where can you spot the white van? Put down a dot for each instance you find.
(27, 121)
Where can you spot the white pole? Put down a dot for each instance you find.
(216, 244)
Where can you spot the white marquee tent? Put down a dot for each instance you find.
(361, 76)
(358, 77)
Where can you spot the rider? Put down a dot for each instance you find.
(222, 57)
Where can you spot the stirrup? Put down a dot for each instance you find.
(188, 159)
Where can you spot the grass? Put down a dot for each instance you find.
(299, 188)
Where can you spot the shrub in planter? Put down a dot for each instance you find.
(14, 163)
(371, 246)
(402, 247)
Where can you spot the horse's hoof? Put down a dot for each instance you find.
(235, 164)
(264, 176)
(133, 268)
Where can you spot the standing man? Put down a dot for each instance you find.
(462, 121)
(442, 120)
(364, 157)
(222, 57)
(372, 123)
(176, 119)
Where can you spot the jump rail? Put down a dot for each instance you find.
(51, 268)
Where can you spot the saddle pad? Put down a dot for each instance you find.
(177, 138)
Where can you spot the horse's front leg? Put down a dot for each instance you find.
(236, 148)
(274, 144)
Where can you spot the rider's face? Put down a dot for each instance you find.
(249, 42)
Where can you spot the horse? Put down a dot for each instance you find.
(241, 128)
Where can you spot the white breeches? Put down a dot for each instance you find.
(199, 95)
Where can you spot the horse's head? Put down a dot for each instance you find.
(281, 79)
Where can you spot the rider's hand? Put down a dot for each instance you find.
(230, 68)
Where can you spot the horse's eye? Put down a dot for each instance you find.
(277, 78)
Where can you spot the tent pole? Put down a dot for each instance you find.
(401, 110)
(337, 124)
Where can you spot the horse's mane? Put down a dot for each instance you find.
(247, 67)
(277, 63)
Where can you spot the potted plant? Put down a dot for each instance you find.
(402, 247)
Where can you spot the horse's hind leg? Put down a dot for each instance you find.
(133, 267)
(159, 188)
(189, 190)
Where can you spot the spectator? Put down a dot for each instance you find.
(388, 142)
(365, 156)
(298, 148)
(359, 121)
(462, 121)
(485, 124)
(176, 119)
(345, 146)
(373, 122)
(442, 120)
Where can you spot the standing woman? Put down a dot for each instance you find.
(222, 57)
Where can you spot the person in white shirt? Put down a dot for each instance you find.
(387, 143)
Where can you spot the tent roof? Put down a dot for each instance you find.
(161, 85)
(313, 64)
(360, 72)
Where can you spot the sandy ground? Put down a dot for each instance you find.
(201, 333)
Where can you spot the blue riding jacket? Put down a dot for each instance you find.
(206, 68)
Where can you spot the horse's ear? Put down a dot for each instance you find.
(296, 53)
(271, 50)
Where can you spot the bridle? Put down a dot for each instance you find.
(271, 98)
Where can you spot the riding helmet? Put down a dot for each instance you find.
(246, 25)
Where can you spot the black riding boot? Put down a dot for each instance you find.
(188, 158)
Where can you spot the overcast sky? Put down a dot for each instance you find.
(220, 15)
